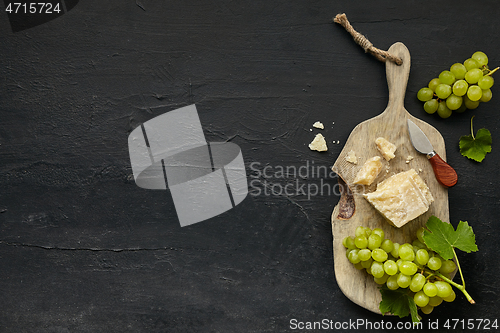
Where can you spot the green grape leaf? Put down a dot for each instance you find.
(442, 238)
(399, 303)
(476, 147)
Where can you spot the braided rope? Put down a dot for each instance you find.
(364, 42)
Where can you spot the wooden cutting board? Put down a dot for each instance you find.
(353, 210)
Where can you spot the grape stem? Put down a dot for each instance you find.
(473, 138)
(492, 71)
(458, 265)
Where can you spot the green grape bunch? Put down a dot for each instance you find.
(422, 274)
(461, 87)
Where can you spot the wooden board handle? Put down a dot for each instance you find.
(397, 77)
(445, 174)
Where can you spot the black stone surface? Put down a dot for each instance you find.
(83, 249)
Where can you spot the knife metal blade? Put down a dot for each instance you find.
(445, 174)
(419, 140)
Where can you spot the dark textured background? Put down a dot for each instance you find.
(83, 249)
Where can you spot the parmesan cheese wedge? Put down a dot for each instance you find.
(369, 171)
(401, 198)
(386, 148)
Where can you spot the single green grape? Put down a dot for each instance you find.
(473, 75)
(443, 111)
(408, 268)
(474, 93)
(451, 297)
(358, 266)
(425, 94)
(380, 232)
(471, 64)
(434, 263)
(430, 289)
(427, 309)
(485, 82)
(353, 256)
(462, 108)
(387, 245)
(348, 243)
(417, 282)
(420, 234)
(377, 269)
(360, 231)
(374, 241)
(395, 251)
(367, 263)
(406, 252)
(390, 267)
(392, 282)
(481, 58)
(431, 106)
(443, 91)
(434, 83)
(422, 256)
(453, 102)
(361, 242)
(364, 254)
(447, 266)
(379, 255)
(460, 87)
(447, 77)
(471, 104)
(458, 70)
(403, 280)
(421, 299)
(435, 301)
(443, 288)
(486, 96)
(381, 280)
(418, 244)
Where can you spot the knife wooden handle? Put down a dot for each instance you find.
(445, 174)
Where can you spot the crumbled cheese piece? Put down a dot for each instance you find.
(401, 198)
(386, 148)
(408, 159)
(419, 170)
(369, 171)
(351, 157)
(319, 125)
(318, 143)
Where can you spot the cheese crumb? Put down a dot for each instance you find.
(408, 159)
(318, 125)
(369, 171)
(351, 157)
(318, 143)
(386, 148)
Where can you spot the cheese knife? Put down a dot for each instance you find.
(445, 174)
